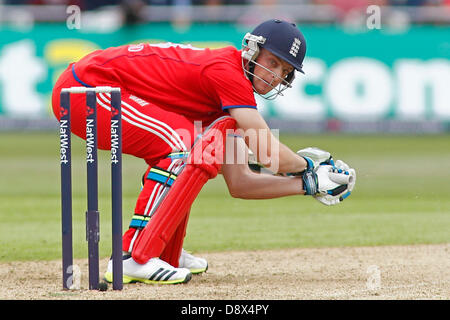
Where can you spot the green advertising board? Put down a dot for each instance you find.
(351, 75)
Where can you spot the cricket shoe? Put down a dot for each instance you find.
(194, 264)
(155, 271)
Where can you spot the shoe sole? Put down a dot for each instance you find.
(198, 271)
(127, 279)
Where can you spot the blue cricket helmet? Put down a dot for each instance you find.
(284, 40)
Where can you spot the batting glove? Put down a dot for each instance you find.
(335, 183)
(315, 157)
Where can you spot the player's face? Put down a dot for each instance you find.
(273, 71)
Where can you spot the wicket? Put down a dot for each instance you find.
(92, 213)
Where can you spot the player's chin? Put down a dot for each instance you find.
(262, 87)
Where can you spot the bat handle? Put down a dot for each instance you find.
(340, 178)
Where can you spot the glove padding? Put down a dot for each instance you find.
(335, 183)
(315, 157)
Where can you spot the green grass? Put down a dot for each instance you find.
(401, 197)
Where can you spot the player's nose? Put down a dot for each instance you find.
(277, 75)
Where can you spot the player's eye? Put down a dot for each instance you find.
(287, 72)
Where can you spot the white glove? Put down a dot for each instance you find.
(334, 183)
(342, 167)
(315, 156)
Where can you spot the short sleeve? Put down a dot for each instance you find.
(233, 89)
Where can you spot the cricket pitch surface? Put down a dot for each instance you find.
(354, 273)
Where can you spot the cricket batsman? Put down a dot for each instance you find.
(191, 114)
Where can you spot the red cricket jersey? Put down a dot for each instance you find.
(200, 84)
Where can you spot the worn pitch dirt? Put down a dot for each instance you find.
(385, 272)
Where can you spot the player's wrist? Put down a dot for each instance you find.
(309, 164)
(310, 182)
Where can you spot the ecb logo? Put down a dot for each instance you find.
(295, 47)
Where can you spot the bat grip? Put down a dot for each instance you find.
(340, 178)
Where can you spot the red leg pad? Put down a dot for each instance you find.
(172, 252)
(174, 208)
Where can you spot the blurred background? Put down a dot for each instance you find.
(376, 93)
(372, 66)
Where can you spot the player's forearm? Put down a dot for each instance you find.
(245, 184)
(289, 161)
(269, 187)
(278, 158)
(269, 151)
